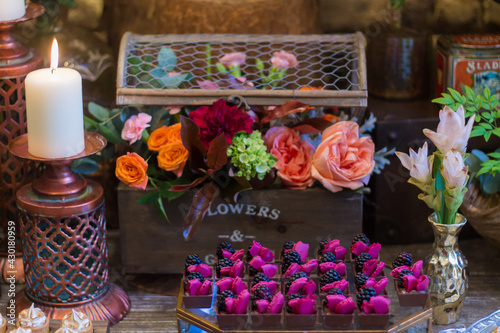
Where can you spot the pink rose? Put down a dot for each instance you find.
(283, 60)
(132, 131)
(343, 159)
(233, 59)
(294, 156)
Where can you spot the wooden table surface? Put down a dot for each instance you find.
(156, 313)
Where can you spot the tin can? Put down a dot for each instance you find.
(468, 60)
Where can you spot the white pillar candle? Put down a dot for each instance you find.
(54, 111)
(11, 9)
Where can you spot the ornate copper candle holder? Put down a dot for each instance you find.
(64, 240)
(16, 61)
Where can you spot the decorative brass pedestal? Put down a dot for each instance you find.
(16, 61)
(64, 240)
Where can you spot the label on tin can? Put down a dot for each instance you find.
(440, 74)
(478, 40)
(477, 74)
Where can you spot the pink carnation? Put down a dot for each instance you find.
(233, 59)
(283, 60)
(132, 131)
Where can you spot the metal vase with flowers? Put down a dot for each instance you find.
(443, 178)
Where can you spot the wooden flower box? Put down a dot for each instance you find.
(271, 216)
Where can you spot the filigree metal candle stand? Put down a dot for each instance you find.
(16, 61)
(63, 232)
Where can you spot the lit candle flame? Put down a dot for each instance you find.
(54, 56)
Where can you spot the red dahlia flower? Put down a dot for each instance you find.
(220, 118)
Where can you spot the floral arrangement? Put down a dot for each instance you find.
(483, 107)
(442, 176)
(223, 149)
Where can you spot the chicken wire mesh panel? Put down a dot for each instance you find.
(183, 69)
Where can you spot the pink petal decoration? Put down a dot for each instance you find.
(241, 303)
(276, 304)
(297, 285)
(367, 307)
(238, 286)
(326, 266)
(255, 249)
(409, 282)
(395, 272)
(301, 249)
(237, 269)
(273, 287)
(340, 252)
(305, 306)
(422, 283)
(270, 270)
(224, 284)
(331, 245)
(381, 285)
(207, 84)
(358, 248)
(380, 304)
(237, 255)
(417, 268)
(293, 268)
(310, 266)
(262, 305)
(225, 271)
(230, 304)
(205, 288)
(379, 269)
(342, 285)
(369, 267)
(193, 286)
(347, 306)
(266, 254)
(371, 282)
(257, 262)
(226, 254)
(333, 300)
(374, 249)
(204, 269)
(340, 268)
(192, 268)
(309, 287)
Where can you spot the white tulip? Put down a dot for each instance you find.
(419, 165)
(454, 170)
(452, 133)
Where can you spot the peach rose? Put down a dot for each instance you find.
(173, 157)
(294, 156)
(164, 135)
(343, 159)
(131, 169)
(132, 130)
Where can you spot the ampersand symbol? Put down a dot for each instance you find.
(237, 236)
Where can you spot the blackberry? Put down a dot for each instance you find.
(262, 292)
(294, 277)
(400, 277)
(364, 295)
(403, 259)
(192, 259)
(259, 277)
(360, 280)
(322, 245)
(360, 261)
(226, 262)
(192, 276)
(329, 277)
(252, 271)
(292, 296)
(361, 237)
(287, 246)
(223, 246)
(327, 257)
(335, 291)
(222, 299)
(289, 258)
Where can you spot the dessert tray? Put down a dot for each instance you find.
(419, 319)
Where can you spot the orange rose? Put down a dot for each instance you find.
(164, 135)
(173, 157)
(343, 159)
(330, 117)
(131, 169)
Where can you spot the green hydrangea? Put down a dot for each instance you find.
(249, 155)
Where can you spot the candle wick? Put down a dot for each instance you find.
(52, 70)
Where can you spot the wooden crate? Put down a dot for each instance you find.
(272, 216)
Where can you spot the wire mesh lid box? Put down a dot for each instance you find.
(171, 69)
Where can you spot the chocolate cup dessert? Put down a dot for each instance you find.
(331, 319)
(373, 320)
(227, 320)
(266, 319)
(300, 321)
(413, 298)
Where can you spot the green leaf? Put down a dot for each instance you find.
(487, 93)
(84, 166)
(67, 3)
(149, 198)
(477, 118)
(158, 73)
(167, 59)
(396, 4)
(486, 125)
(440, 100)
(494, 155)
(487, 136)
(100, 113)
(469, 92)
(134, 61)
(455, 94)
(477, 131)
(172, 82)
(109, 135)
(221, 68)
(259, 64)
(161, 209)
(496, 131)
(134, 70)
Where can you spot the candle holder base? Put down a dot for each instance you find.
(112, 305)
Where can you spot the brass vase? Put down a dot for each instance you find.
(448, 271)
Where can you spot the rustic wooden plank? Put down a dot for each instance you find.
(99, 326)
